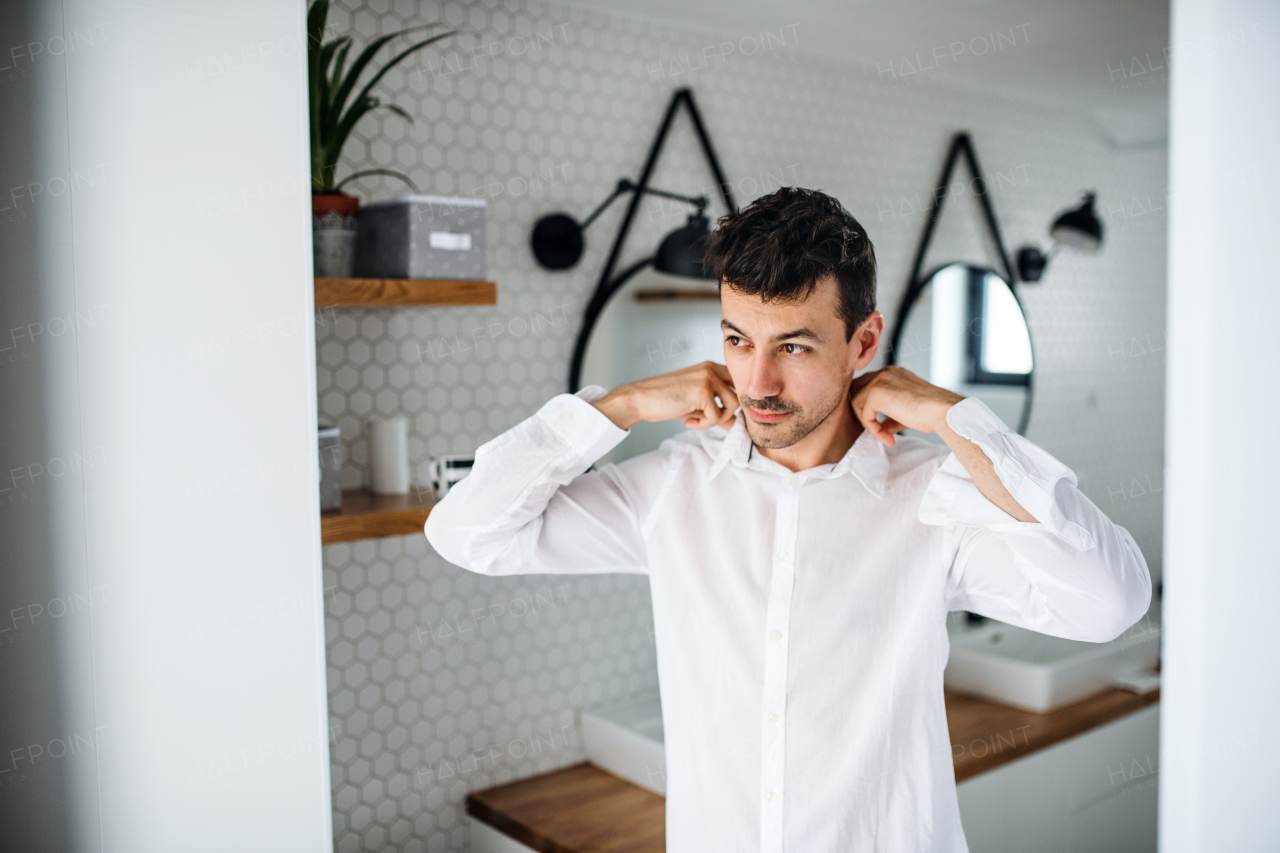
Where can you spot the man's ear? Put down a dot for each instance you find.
(866, 340)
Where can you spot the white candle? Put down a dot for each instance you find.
(389, 456)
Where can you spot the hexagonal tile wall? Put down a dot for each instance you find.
(442, 682)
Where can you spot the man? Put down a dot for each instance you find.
(801, 565)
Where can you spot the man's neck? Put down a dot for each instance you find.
(827, 444)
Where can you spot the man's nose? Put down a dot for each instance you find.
(764, 379)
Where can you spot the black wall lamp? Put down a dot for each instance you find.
(558, 242)
(1078, 228)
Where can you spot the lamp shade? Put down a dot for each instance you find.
(1079, 228)
(681, 250)
(557, 241)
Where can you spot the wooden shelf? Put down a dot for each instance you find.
(369, 516)
(405, 291)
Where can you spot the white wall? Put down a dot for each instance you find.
(163, 661)
(1219, 745)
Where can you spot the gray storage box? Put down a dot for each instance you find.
(421, 236)
(330, 468)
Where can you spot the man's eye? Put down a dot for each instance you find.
(734, 341)
(794, 349)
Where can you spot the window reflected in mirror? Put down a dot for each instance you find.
(965, 331)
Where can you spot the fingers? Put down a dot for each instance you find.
(889, 428)
(860, 382)
(865, 410)
(860, 399)
(892, 426)
(721, 372)
(728, 399)
(707, 412)
(883, 433)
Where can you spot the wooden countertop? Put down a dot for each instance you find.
(985, 735)
(583, 809)
(580, 809)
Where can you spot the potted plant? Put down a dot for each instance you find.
(336, 107)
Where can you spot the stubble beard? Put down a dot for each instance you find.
(793, 429)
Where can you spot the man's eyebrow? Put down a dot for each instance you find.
(794, 333)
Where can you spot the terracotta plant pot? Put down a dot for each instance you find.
(333, 233)
(339, 203)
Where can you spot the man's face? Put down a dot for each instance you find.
(791, 362)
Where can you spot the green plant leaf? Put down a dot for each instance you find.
(346, 85)
(398, 110)
(365, 102)
(317, 15)
(339, 120)
(340, 60)
(397, 59)
(331, 54)
(363, 172)
(334, 111)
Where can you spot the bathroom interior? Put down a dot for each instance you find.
(443, 683)
(342, 686)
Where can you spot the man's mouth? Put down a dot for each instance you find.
(762, 417)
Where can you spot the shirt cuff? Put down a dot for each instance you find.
(1029, 473)
(582, 426)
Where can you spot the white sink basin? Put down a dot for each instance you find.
(1037, 672)
(627, 741)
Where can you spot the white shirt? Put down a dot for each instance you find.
(800, 617)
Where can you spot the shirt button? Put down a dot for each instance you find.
(775, 635)
(784, 556)
(768, 795)
(568, 416)
(773, 717)
(557, 405)
(791, 480)
(983, 527)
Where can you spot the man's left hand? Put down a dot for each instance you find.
(906, 401)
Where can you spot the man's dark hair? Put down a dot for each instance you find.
(781, 244)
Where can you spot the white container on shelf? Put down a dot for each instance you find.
(389, 456)
(330, 468)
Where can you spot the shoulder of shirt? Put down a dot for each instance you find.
(689, 444)
(913, 461)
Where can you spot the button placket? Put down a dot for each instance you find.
(778, 624)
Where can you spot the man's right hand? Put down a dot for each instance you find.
(688, 394)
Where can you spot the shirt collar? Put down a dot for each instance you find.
(867, 460)
(736, 448)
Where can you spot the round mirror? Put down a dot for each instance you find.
(964, 330)
(654, 324)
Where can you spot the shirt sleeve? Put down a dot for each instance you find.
(529, 506)
(1074, 574)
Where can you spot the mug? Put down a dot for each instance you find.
(445, 471)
